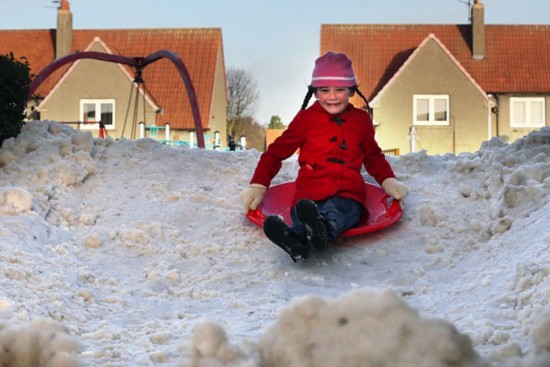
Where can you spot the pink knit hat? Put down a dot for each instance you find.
(333, 70)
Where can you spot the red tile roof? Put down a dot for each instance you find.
(517, 57)
(199, 48)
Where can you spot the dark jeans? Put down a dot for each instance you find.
(339, 213)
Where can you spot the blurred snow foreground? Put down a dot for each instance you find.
(131, 253)
(362, 328)
(43, 343)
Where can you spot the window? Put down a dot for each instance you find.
(431, 110)
(92, 111)
(527, 112)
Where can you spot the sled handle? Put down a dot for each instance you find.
(392, 206)
(256, 216)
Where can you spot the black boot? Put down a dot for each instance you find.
(280, 234)
(316, 228)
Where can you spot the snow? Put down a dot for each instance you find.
(132, 253)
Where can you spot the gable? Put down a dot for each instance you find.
(91, 79)
(425, 68)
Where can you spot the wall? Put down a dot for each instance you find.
(507, 133)
(432, 71)
(218, 118)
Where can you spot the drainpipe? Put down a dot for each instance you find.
(491, 103)
(454, 134)
(489, 122)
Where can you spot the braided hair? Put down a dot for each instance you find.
(367, 105)
(311, 90)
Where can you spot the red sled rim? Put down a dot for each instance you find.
(383, 210)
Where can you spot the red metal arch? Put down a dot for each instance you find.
(138, 62)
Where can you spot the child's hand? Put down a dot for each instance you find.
(252, 196)
(395, 189)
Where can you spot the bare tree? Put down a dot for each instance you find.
(242, 94)
(254, 132)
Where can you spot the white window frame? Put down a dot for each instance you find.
(431, 110)
(87, 125)
(528, 101)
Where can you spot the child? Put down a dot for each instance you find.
(335, 139)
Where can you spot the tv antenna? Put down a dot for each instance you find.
(469, 3)
(52, 7)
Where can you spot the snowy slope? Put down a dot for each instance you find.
(142, 253)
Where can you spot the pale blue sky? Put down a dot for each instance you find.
(276, 41)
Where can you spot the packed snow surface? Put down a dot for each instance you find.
(133, 253)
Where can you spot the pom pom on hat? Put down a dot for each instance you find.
(333, 70)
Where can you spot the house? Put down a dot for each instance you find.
(86, 91)
(448, 88)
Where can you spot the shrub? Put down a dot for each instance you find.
(15, 80)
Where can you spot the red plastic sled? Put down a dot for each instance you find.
(383, 210)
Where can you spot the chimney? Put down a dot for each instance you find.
(478, 31)
(64, 34)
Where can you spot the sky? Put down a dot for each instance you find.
(276, 41)
(133, 253)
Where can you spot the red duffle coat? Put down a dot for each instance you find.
(332, 150)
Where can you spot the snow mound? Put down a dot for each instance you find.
(14, 201)
(42, 343)
(365, 327)
(362, 328)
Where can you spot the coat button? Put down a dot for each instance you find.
(336, 160)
